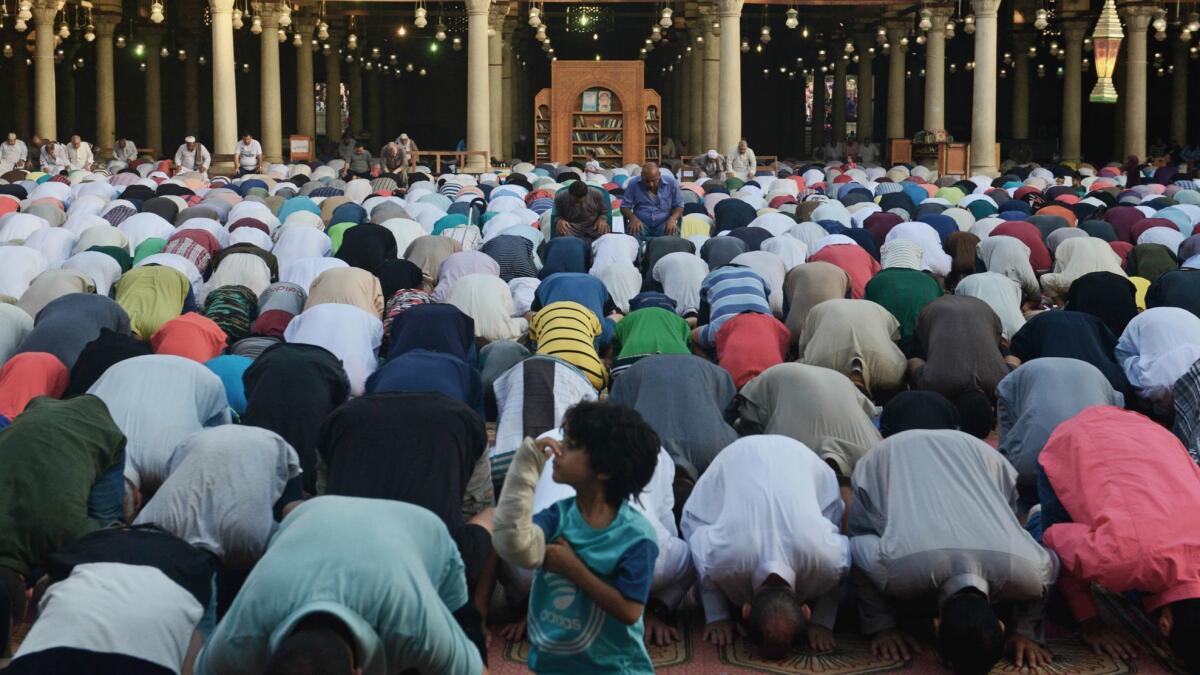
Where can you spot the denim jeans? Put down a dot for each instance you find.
(1052, 512)
(106, 502)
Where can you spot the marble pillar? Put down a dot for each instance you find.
(711, 55)
(1072, 103)
(729, 117)
(270, 123)
(896, 31)
(153, 38)
(106, 85)
(1022, 41)
(479, 114)
(225, 123)
(1137, 20)
(935, 69)
(45, 97)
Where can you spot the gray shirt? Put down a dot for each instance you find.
(933, 514)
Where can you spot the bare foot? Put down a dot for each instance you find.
(514, 632)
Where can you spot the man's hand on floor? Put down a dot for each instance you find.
(1105, 640)
(1028, 653)
(659, 633)
(720, 633)
(894, 644)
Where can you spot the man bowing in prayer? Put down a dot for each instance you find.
(763, 526)
(192, 156)
(580, 212)
(652, 204)
(932, 525)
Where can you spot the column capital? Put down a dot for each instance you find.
(985, 8)
(44, 10)
(729, 7)
(220, 6)
(939, 15)
(1075, 28)
(897, 29)
(106, 24)
(1137, 15)
(269, 13)
(478, 6)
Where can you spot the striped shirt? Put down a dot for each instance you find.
(567, 330)
(514, 255)
(729, 291)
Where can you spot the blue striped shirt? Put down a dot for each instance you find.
(729, 291)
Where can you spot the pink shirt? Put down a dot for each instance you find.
(1134, 498)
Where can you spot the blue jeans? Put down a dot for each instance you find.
(1052, 513)
(106, 501)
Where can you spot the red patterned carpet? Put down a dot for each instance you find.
(694, 656)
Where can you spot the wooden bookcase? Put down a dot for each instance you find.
(599, 106)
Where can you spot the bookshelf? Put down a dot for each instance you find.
(598, 106)
(541, 133)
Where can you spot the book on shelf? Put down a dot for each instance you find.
(652, 114)
(652, 128)
(595, 137)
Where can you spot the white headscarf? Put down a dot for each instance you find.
(1157, 348)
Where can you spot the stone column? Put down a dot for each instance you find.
(356, 94)
(21, 123)
(696, 130)
(306, 110)
(712, 85)
(1072, 112)
(333, 88)
(495, 87)
(866, 87)
(896, 30)
(479, 116)
(1022, 41)
(983, 118)
(106, 85)
(818, 116)
(1179, 91)
(507, 93)
(935, 68)
(685, 111)
(191, 87)
(1137, 20)
(46, 100)
(270, 126)
(225, 128)
(839, 99)
(152, 37)
(729, 117)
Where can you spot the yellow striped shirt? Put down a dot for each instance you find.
(568, 330)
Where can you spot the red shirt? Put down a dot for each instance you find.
(1134, 498)
(749, 343)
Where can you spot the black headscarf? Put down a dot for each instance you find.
(752, 236)
(290, 389)
(99, 355)
(731, 214)
(1099, 229)
(719, 251)
(1110, 297)
(1071, 335)
(917, 410)
(438, 328)
(396, 274)
(366, 246)
(442, 440)
(659, 247)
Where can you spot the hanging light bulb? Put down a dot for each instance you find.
(904, 41)
(120, 41)
(1040, 19)
(849, 48)
(541, 33)
(1160, 20)
(926, 21)
(1041, 70)
(1053, 48)
(880, 35)
(89, 33)
(201, 60)
(352, 41)
(665, 21)
(142, 66)
(182, 55)
(156, 12)
(285, 15)
(237, 19)
(821, 56)
(456, 44)
(8, 51)
(921, 39)
(793, 18)
(655, 33)
(716, 27)
(535, 17)
(64, 31)
(422, 73)
(408, 68)
(440, 35)
(1032, 51)
(282, 35)
(323, 31)
(256, 25)
(245, 67)
(20, 25)
(1194, 53)
(1160, 35)
(953, 68)
(745, 46)
(326, 49)
(765, 35)
(369, 65)
(24, 10)
(164, 52)
(969, 24)
(420, 21)
(349, 57)
(1193, 22)
(297, 40)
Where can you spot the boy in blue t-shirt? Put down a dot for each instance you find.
(593, 578)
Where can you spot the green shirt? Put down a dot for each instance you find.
(52, 454)
(904, 292)
(652, 331)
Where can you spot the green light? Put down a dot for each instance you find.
(583, 20)
(433, 46)
(139, 50)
